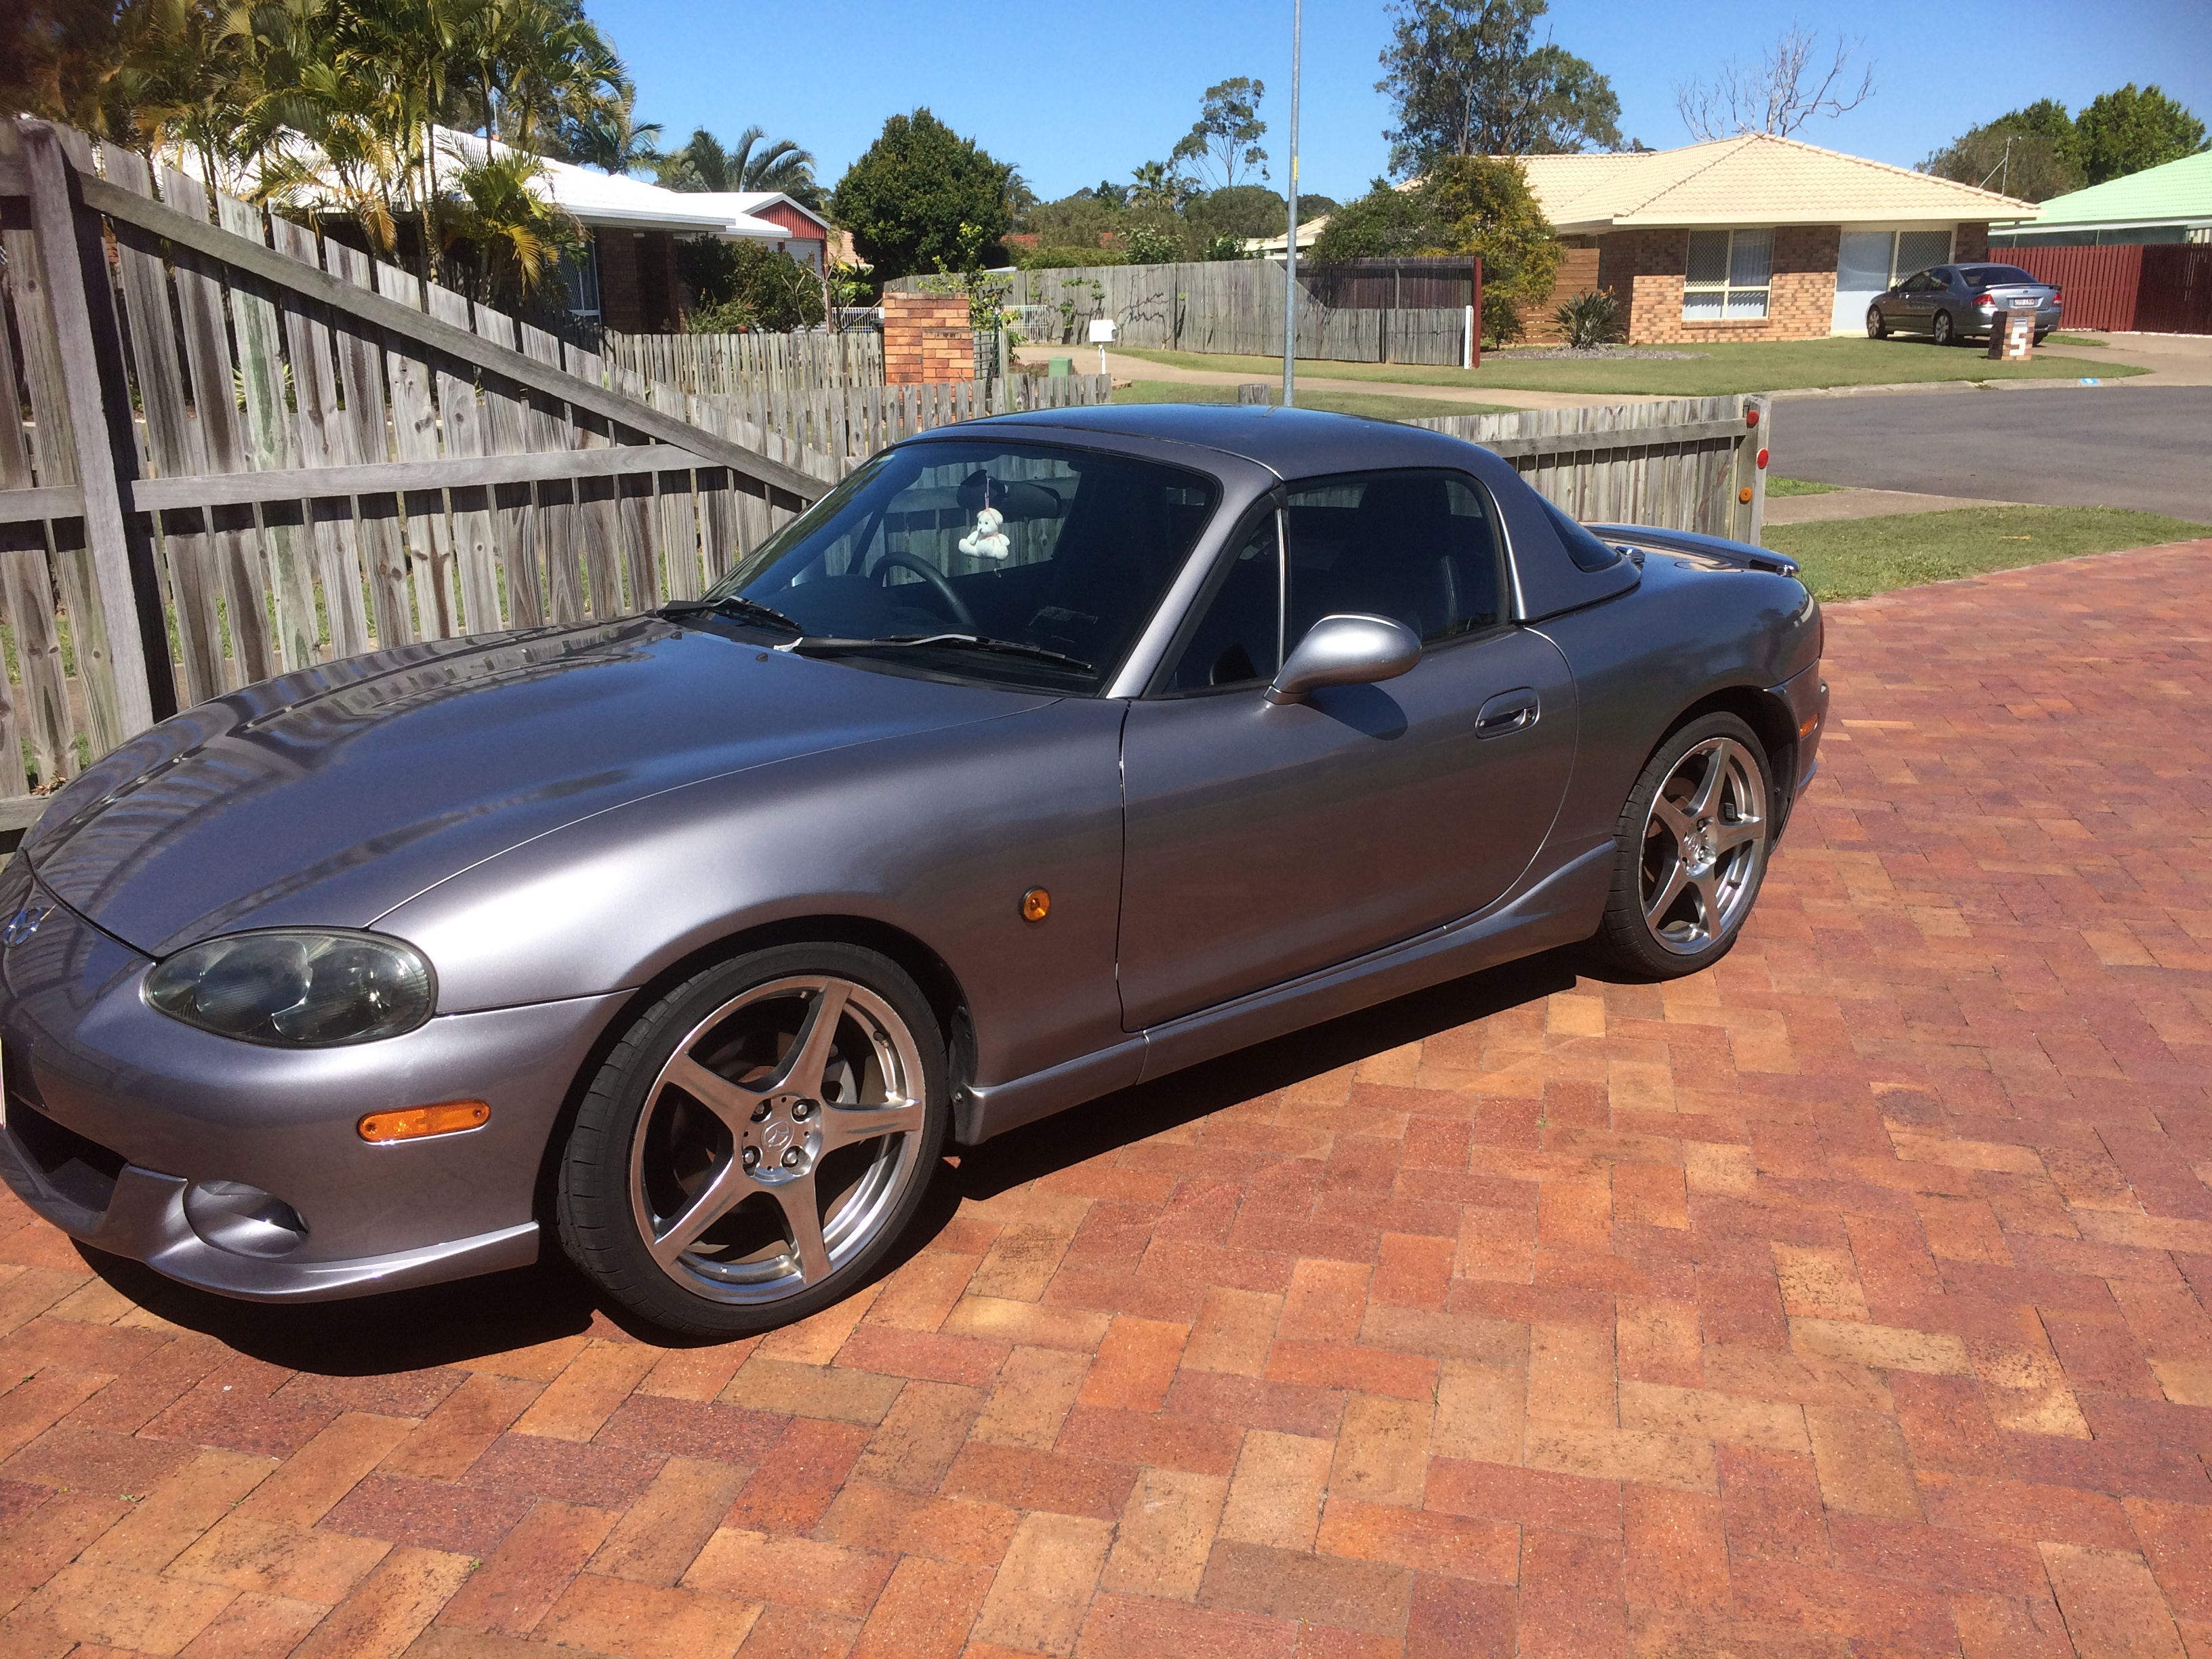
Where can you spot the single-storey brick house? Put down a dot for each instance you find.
(1751, 237)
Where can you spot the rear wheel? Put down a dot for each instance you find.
(1692, 839)
(1877, 325)
(757, 1141)
(1940, 329)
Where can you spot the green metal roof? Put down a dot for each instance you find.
(2180, 190)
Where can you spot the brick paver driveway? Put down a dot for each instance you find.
(1849, 1298)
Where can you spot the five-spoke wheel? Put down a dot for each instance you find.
(1693, 849)
(758, 1141)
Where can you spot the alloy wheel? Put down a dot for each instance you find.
(778, 1139)
(1702, 842)
(1877, 329)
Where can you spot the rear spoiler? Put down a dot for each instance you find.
(1743, 555)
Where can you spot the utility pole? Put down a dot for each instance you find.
(1290, 247)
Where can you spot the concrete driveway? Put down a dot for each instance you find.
(1848, 1299)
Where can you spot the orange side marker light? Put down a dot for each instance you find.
(1744, 493)
(418, 1121)
(1036, 904)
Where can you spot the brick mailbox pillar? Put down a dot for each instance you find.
(927, 340)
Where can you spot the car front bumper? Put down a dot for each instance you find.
(239, 1169)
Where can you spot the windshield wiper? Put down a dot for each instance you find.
(733, 605)
(822, 646)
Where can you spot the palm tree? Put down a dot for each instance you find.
(756, 163)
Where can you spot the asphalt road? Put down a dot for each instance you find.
(2148, 448)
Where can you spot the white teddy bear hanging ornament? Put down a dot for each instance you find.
(987, 540)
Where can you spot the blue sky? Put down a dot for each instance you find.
(1073, 94)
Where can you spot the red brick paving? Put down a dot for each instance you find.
(1850, 1298)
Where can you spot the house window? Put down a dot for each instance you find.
(1917, 250)
(1728, 275)
(580, 276)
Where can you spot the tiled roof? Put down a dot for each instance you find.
(2178, 190)
(1754, 179)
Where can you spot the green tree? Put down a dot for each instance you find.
(2125, 131)
(2027, 152)
(1467, 79)
(1386, 222)
(739, 285)
(1467, 204)
(907, 199)
(755, 162)
(1157, 184)
(1225, 138)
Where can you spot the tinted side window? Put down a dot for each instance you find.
(1235, 643)
(1421, 548)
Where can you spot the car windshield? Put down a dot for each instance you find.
(1994, 275)
(977, 559)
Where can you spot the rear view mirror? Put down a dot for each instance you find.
(1345, 650)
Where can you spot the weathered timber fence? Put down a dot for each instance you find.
(1237, 305)
(727, 365)
(224, 458)
(830, 430)
(1680, 464)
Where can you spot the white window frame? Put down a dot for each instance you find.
(1725, 289)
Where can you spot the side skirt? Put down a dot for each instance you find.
(1561, 908)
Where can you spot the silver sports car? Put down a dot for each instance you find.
(1046, 754)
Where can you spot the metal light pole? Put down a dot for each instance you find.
(1290, 247)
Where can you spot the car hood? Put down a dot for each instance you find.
(331, 796)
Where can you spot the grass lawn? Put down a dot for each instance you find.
(1381, 405)
(1773, 366)
(2064, 338)
(1799, 487)
(1853, 558)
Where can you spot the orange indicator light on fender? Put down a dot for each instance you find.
(1806, 730)
(418, 1121)
(1036, 904)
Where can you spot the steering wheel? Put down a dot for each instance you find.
(935, 578)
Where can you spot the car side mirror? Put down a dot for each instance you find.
(1345, 650)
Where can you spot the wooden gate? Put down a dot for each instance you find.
(234, 449)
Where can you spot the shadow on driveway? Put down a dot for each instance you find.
(451, 1324)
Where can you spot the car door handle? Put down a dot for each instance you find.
(1508, 711)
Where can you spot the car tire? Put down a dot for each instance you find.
(1877, 325)
(2042, 336)
(1693, 843)
(725, 1119)
(1940, 329)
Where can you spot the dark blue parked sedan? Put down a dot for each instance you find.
(1958, 302)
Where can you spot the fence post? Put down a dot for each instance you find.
(69, 278)
(1761, 439)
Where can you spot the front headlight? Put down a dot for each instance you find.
(296, 987)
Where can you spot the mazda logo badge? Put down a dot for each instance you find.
(24, 923)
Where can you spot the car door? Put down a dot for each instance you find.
(1917, 294)
(1263, 841)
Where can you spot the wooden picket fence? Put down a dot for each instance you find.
(832, 430)
(742, 365)
(233, 452)
(1677, 464)
(1229, 305)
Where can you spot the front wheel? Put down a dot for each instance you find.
(1877, 325)
(1692, 844)
(1940, 329)
(757, 1141)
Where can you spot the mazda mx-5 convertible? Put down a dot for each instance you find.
(1046, 754)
